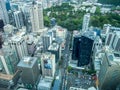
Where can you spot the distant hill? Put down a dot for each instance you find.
(113, 2)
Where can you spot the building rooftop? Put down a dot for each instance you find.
(27, 62)
(48, 55)
(75, 88)
(89, 34)
(113, 58)
(54, 47)
(45, 83)
(16, 38)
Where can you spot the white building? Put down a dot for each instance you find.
(86, 20)
(116, 42)
(48, 64)
(36, 13)
(3, 12)
(18, 19)
(8, 29)
(106, 29)
(18, 44)
(113, 40)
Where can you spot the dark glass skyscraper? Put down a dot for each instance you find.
(76, 44)
(85, 51)
(82, 50)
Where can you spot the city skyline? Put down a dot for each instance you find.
(59, 45)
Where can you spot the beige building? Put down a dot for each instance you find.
(36, 14)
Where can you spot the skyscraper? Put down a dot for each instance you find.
(82, 48)
(75, 51)
(113, 40)
(48, 64)
(109, 76)
(36, 14)
(3, 12)
(8, 61)
(18, 44)
(54, 48)
(30, 71)
(18, 19)
(116, 42)
(86, 20)
(47, 40)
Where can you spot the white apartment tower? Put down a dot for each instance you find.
(86, 20)
(18, 19)
(3, 12)
(36, 13)
(113, 40)
(19, 46)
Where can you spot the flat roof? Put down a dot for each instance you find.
(27, 62)
(44, 82)
(53, 46)
(16, 38)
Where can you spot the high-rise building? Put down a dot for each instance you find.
(75, 50)
(86, 21)
(36, 14)
(18, 19)
(106, 28)
(113, 40)
(30, 71)
(3, 12)
(82, 48)
(11, 17)
(85, 51)
(18, 44)
(54, 48)
(48, 64)
(109, 75)
(47, 40)
(8, 61)
(31, 47)
(116, 42)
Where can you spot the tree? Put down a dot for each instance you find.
(69, 68)
(47, 21)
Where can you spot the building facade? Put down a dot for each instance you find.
(48, 64)
(18, 44)
(86, 20)
(30, 71)
(3, 12)
(36, 14)
(18, 19)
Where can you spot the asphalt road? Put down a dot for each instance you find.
(66, 55)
